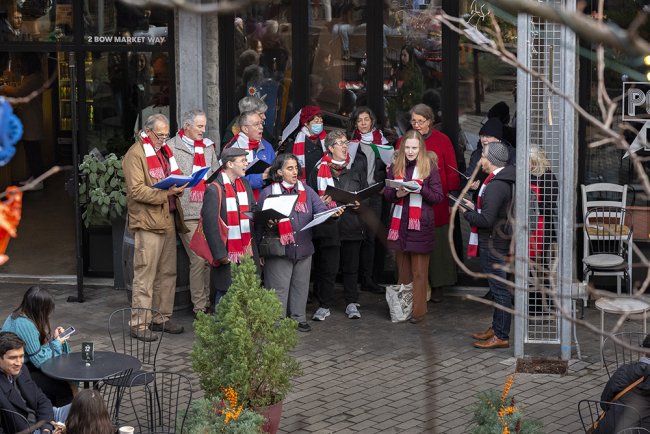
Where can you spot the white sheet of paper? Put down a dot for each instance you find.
(282, 204)
(409, 185)
(322, 216)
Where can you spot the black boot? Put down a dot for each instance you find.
(370, 286)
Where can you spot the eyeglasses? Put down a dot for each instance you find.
(258, 124)
(346, 143)
(161, 137)
(418, 123)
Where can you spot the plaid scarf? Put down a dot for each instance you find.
(196, 195)
(299, 146)
(324, 175)
(284, 225)
(242, 141)
(156, 170)
(239, 228)
(415, 210)
(472, 247)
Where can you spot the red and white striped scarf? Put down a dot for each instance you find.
(196, 195)
(156, 170)
(415, 210)
(239, 227)
(472, 246)
(299, 146)
(242, 141)
(324, 175)
(284, 225)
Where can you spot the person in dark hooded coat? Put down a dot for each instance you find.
(638, 396)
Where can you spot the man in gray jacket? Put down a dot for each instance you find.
(193, 151)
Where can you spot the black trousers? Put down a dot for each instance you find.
(371, 218)
(325, 267)
(350, 253)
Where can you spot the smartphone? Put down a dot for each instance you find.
(67, 332)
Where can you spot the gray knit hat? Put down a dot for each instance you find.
(498, 154)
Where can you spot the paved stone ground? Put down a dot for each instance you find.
(373, 376)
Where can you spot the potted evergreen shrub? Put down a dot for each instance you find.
(222, 415)
(246, 345)
(102, 196)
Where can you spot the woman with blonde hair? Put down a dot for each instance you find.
(412, 226)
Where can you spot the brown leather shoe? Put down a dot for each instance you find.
(493, 342)
(482, 336)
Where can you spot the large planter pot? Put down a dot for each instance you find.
(182, 298)
(272, 415)
(98, 251)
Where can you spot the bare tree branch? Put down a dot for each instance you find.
(609, 35)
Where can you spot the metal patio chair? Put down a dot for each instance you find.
(614, 355)
(590, 411)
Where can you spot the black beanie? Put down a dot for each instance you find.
(493, 128)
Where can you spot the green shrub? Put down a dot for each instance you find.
(207, 416)
(103, 194)
(246, 343)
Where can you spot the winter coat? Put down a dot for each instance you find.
(218, 248)
(638, 397)
(411, 240)
(30, 399)
(148, 207)
(185, 160)
(494, 229)
(439, 143)
(302, 246)
(313, 153)
(349, 226)
(264, 152)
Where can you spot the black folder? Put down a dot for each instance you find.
(342, 196)
(257, 166)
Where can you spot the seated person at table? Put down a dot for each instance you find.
(88, 414)
(31, 322)
(618, 390)
(19, 393)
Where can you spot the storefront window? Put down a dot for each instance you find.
(263, 59)
(122, 90)
(113, 22)
(337, 80)
(35, 20)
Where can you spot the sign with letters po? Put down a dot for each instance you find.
(636, 101)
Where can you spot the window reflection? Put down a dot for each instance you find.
(35, 20)
(110, 21)
(263, 61)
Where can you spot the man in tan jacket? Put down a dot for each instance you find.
(152, 217)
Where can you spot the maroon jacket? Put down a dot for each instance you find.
(410, 240)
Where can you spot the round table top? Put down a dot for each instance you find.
(622, 305)
(70, 367)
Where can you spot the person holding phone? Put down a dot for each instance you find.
(31, 322)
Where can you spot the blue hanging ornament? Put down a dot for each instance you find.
(11, 130)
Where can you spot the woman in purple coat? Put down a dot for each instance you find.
(285, 250)
(412, 224)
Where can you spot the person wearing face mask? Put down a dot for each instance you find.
(287, 265)
(309, 145)
(249, 138)
(369, 141)
(194, 151)
(442, 270)
(338, 241)
(411, 232)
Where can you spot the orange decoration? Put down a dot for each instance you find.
(10, 211)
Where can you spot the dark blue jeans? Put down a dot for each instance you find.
(492, 262)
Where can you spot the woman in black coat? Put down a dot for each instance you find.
(338, 240)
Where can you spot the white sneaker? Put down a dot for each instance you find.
(352, 311)
(321, 314)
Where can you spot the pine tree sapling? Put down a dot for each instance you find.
(246, 343)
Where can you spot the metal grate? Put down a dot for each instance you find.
(544, 133)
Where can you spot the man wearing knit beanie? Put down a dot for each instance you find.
(491, 230)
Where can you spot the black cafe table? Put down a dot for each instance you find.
(70, 367)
